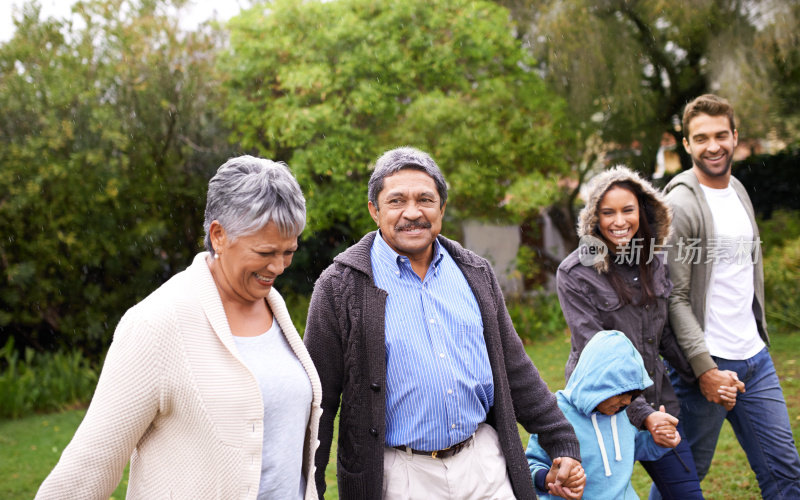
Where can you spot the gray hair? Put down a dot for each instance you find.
(247, 193)
(398, 159)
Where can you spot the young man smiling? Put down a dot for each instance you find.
(717, 307)
(410, 330)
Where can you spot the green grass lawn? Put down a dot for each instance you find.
(30, 447)
(730, 476)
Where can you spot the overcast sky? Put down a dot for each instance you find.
(197, 11)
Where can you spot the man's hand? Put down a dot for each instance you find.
(662, 426)
(566, 478)
(721, 387)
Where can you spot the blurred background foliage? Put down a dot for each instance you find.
(113, 121)
(627, 67)
(328, 86)
(109, 134)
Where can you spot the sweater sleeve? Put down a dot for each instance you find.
(325, 347)
(687, 329)
(534, 405)
(124, 405)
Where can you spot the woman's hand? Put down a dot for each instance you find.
(728, 393)
(721, 386)
(663, 427)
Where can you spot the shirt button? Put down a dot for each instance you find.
(441, 354)
(375, 387)
(374, 432)
(432, 320)
(650, 341)
(453, 426)
(449, 391)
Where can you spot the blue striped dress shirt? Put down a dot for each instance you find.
(438, 379)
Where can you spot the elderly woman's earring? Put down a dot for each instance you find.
(216, 256)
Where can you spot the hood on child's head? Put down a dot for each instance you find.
(609, 365)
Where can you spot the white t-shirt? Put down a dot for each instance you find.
(286, 392)
(730, 329)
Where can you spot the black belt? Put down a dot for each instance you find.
(445, 453)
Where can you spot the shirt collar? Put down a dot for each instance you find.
(386, 256)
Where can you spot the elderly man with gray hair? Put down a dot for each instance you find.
(411, 332)
(207, 386)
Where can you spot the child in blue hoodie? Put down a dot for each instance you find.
(609, 373)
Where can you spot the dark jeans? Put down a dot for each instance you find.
(759, 420)
(674, 474)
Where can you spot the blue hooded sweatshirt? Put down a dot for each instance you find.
(608, 366)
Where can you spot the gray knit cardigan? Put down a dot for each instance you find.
(345, 337)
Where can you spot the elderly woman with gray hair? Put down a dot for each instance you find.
(207, 386)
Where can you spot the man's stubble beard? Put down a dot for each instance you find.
(711, 173)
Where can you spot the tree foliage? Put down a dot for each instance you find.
(627, 67)
(109, 135)
(328, 86)
(779, 45)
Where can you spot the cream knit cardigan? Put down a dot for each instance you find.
(175, 397)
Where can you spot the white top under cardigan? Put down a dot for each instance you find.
(286, 393)
(176, 398)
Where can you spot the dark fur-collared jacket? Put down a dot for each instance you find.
(345, 338)
(590, 304)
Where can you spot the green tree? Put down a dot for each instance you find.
(110, 132)
(778, 46)
(628, 67)
(328, 86)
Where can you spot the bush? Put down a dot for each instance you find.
(781, 244)
(43, 382)
(772, 181)
(537, 317)
(297, 304)
(107, 147)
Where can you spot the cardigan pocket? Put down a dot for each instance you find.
(351, 484)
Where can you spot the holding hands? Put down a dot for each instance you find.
(721, 387)
(663, 428)
(566, 478)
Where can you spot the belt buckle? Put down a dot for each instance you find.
(435, 454)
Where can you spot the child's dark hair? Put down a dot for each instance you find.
(634, 393)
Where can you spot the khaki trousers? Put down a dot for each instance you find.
(476, 472)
